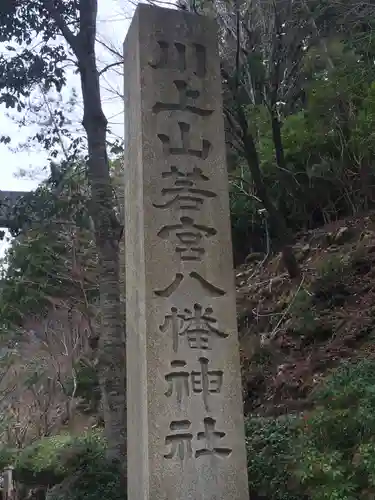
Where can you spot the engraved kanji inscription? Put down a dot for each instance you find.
(173, 322)
(177, 60)
(174, 56)
(179, 441)
(182, 384)
(211, 289)
(206, 381)
(178, 381)
(185, 194)
(186, 101)
(198, 325)
(185, 148)
(189, 236)
(210, 436)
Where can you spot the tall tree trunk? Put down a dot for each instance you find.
(108, 232)
(276, 219)
(279, 153)
(277, 140)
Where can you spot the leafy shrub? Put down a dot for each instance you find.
(303, 314)
(361, 259)
(39, 464)
(330, 270)
(327, 454)
(270, 454)
(94, 481)
(302, 303)
(87, 387)
(330, 287)
(336, 448)
(7, 456)
(50, 460)
(68, 467)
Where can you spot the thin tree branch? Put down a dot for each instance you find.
(110, 49)
(63, 27)
(109, 66)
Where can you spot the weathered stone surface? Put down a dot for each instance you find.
(8, 200)
(8, 483)
(185, 421)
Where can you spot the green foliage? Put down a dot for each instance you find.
(270, 456)
(53, 255)
(38, 67)
(328, 144)
(262, 357)
(74, 468)
(330, 285)
(302, 302)
(326, 454)
(329, 289)
(7, 457)
(335, 451)
(40, 463)
(27, 282)
(303, 314)
(88, 389)
(94, 482)
(349, 385)
(360, 260)
(50, 460)
(330, 269)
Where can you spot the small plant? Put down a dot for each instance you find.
(330, 287)
(360, 260)
(302, 303)
(262, 356)
(303, 315)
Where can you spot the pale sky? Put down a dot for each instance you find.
(113, 22)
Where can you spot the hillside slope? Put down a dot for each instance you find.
(293, 334)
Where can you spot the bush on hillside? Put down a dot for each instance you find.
(94, 481)
(72, 468)
(270, 455)
(330, 287)
(67, 467)
(335, 452)
(327, 454)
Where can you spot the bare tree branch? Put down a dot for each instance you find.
(109, 66)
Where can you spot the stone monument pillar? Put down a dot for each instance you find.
(185, 418)
(8, 483)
